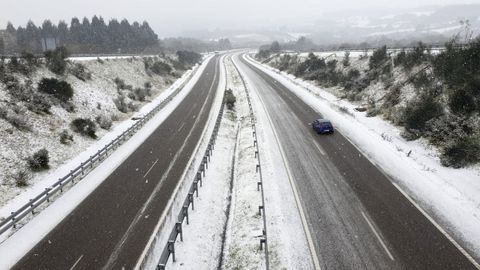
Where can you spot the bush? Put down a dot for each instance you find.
(66, 137)
(85, 127)
(121, 85)
(20, 66)
(230, 99)
(39, 104)
(121, 104)
(161, 68)
(418, 113)
(189, 57)
(80, 71)
(39, 160)
(18, 120)
(346, 59)
(60, 89)
(140, 93)
(461, 153)
(56, 60)
(104, 121)
(21, 178)
(461, 102)
(378, 58)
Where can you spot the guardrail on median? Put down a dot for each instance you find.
(169, 248)
(261, 208)
(85, 167)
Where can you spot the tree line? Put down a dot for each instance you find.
(95, 36)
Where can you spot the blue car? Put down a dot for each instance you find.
(322, 126)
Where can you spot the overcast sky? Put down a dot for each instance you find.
(173, 17)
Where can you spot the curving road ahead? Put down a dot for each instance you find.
(111, 227)
(357, 218)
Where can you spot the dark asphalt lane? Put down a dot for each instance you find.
(111, 227)
(358, 219)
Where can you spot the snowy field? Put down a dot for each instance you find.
(450, 196)
(92, 98)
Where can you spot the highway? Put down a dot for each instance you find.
(357, 218)
(111, 227)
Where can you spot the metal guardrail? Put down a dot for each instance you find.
(85, 167)
(261, 208)
(169, 248)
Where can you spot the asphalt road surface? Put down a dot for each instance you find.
(357, 218)
(111, 227)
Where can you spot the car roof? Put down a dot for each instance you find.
(321, 120)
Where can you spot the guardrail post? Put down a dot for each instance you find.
(195, 187)
(13, 220)
(81, 167)
(31, 206)
(161, 267)
(256, 153)
(262, 242)
(48, 197)
(260, 208)
(171, 248)
(185, 212)
(178, 227)
(199, 178)
(257, 168)
(258, 185)
(71, 175)
(190, 199)
(205, 162)
(254, 134)
(254, 142)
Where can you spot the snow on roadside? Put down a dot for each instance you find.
(244, 230)
(451, 196)
(14, 247)
(203, 236)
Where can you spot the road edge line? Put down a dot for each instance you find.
(307, 232)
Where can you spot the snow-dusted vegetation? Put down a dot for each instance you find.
(53, 108)
(434, 96)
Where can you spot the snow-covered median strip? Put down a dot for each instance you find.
(13, 248)
(450, 196)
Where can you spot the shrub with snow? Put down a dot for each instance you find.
(59, 89)
(21, 178)
(39, 160)
(80, 71)
(85, 127)
(66, 137)
(104, 121)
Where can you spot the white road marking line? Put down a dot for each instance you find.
(319, 148)
(457, 245)
(75, 264)
(151, 167)
(424, 213)
(178, 130)
(306, 229)
(450, 238)
(192, 157)
(378, 236)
